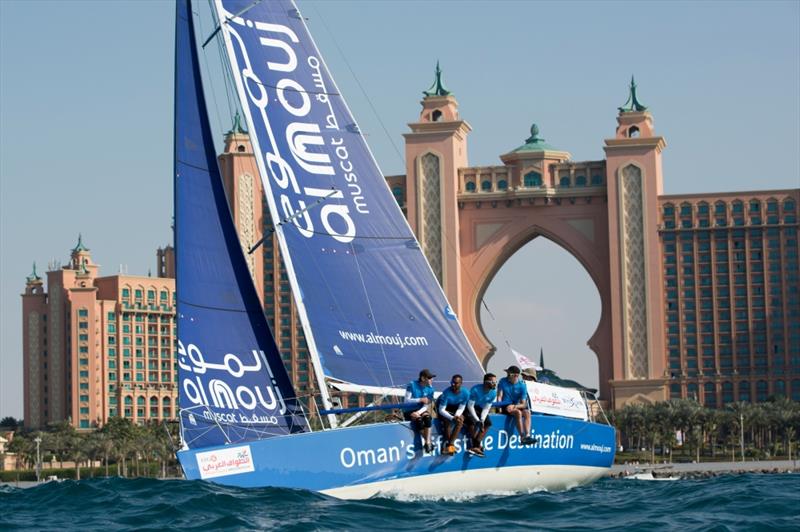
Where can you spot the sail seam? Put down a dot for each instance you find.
(190, 165)
(218, 308)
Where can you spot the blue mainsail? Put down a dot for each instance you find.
(233, 386)
(373, 312)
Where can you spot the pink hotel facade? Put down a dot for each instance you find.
(699, 293)
(98, 347)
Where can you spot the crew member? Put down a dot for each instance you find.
(529, 375)
(452, 403)
(512, 389)
(481, 396)
(421, 391)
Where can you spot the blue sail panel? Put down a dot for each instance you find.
(372, 309)
(233, 386)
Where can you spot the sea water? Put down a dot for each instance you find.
(728, 502)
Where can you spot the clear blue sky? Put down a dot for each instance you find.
(86, 122)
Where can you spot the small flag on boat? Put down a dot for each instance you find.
(525, 362)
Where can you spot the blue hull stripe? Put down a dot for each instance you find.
(373, 453)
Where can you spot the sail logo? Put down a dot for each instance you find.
(215, 385)
(303, 134)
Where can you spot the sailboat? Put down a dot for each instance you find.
(371, 308)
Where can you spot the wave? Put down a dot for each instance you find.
(729, 502)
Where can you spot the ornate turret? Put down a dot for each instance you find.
(80, 257)
(33, 277)
(438, 88)
(237, 139)
(80, 247)
(535, 142)
(439, 104)
(632, 105)
(436, 148)
(535, 154)
(634, 120)
(33, 283)
(237, 126)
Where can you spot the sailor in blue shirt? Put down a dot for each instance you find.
(481, 396)
(512, 388)
(421, 391)
(452, 403)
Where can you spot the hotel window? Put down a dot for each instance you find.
(727, 392)
(502, 185)
(761, 391)
(486, 186)
(580, 181)
(738, 207)
(138, 294)
(564, 181)
(126, 293)
(755, 206)
(744, 391)
(710, 394)
(597, 180)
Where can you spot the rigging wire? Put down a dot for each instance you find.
(208, 70)
(449, 242)
(358, 82)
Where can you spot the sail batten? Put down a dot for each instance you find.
(372, 310)
(233, 386)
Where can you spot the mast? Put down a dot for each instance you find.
(319, 373)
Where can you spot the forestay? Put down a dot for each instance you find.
(233, 386)
(373, 312)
